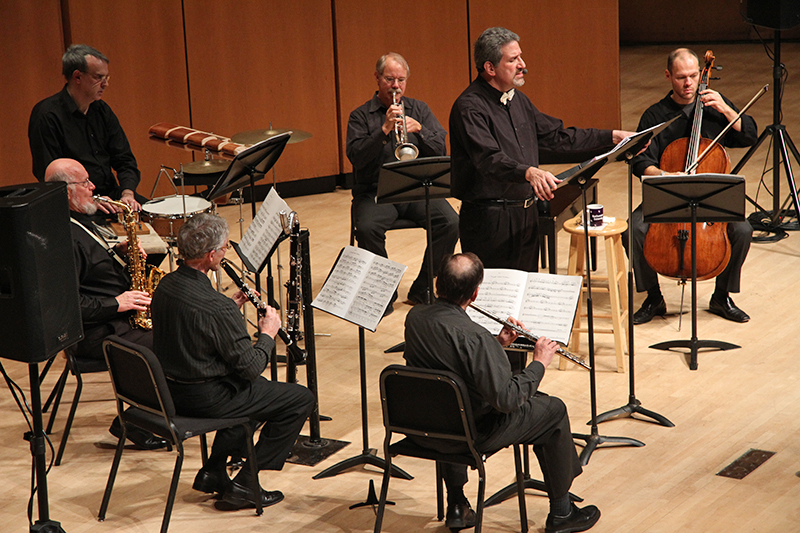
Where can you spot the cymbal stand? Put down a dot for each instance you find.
(594, 439)
(633, 405)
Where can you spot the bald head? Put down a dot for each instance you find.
(459, 277)
(79, 188)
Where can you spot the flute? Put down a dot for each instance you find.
(298, 354)
(522, 332)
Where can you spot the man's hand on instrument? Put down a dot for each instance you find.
(544, 351)
(106, 207)
(132, 300)
(542, 181)
(239, 298)
(392, 116)
(508, 335)
(412, 126)
(121, 248)
(270, 323)
(129, 198)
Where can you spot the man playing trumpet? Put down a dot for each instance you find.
(371, 142)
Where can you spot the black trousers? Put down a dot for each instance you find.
(282, 407)
(739, 233)
(542, 422)
(502, 237)
(91, 347)
(372, 221)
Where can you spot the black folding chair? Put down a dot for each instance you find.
(431, 408)
(139, 382)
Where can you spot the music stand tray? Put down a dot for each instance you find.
(254, 161)
(693, 198)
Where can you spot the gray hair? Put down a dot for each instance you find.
(75, 59)
(489, 44)
(381, 64)
(202, 234)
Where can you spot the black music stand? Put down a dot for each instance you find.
(423, 179)
(247, 167)
(634, 405)
(368, 456)
(693, 198)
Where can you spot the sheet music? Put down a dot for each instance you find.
(545, 303)
(359, 287)
(264, 230)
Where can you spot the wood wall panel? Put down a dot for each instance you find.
(262, 64)
(571, 51)
(430, 34)
(144, 43)
(30, 33)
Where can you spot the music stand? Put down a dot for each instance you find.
(580, 176)
(423, 179)
(634, 405)
(693, 198)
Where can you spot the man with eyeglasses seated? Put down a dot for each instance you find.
(106, 300)
(371, 142)
(76, 123)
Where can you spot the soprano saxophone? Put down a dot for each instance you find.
(144, 277)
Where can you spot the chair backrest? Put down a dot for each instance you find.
(137, 376)
(426, 403)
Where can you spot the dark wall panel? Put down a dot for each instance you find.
(430, 34)
(572, 53)
(267, 64)
(35, 28)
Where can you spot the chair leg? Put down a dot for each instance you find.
(173, 488)
(439, 492)
(62, 446)
(387, 473)
(101, 516)
(204, 448)
(481, 495)
(55, 399)
(523, 512)
(253, 468)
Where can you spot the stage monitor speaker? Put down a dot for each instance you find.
(39, 306)
(774, 14)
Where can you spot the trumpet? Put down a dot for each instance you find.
(405, 151)
(522, 332)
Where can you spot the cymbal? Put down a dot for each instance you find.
(206, 166)
(254, 136)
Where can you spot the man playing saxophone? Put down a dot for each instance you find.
(106, 300)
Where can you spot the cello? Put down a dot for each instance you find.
(667, 246)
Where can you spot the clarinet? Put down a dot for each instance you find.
(297, 353)
(522, 332)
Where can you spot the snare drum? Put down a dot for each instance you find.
(167, 214)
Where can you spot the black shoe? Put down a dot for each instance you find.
(459, 516)
(650, 309)
(212, 481)
(727, 309)
(390, 308)
(577, 520)
(141, 439)
(416, 298)
(241, 497)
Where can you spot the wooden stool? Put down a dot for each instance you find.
(617, 284)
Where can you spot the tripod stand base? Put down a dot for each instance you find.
(594, 440)
(634, 406)
(372, 498)
(46, 526)
(694, 346)
(367, 457)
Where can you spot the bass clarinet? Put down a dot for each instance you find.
(522, 332)
(297, 353)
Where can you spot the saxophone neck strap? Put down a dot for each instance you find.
(102, 242)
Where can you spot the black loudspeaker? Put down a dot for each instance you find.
(774, 14)
(40, 311)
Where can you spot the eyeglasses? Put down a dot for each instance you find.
(390, 80)
(99, 78)
(84, 183)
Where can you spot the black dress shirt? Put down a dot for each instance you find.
(368, 147)
(199, 334)
(713, 123)
(493, 144)
(57, 129)
(441, 336)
